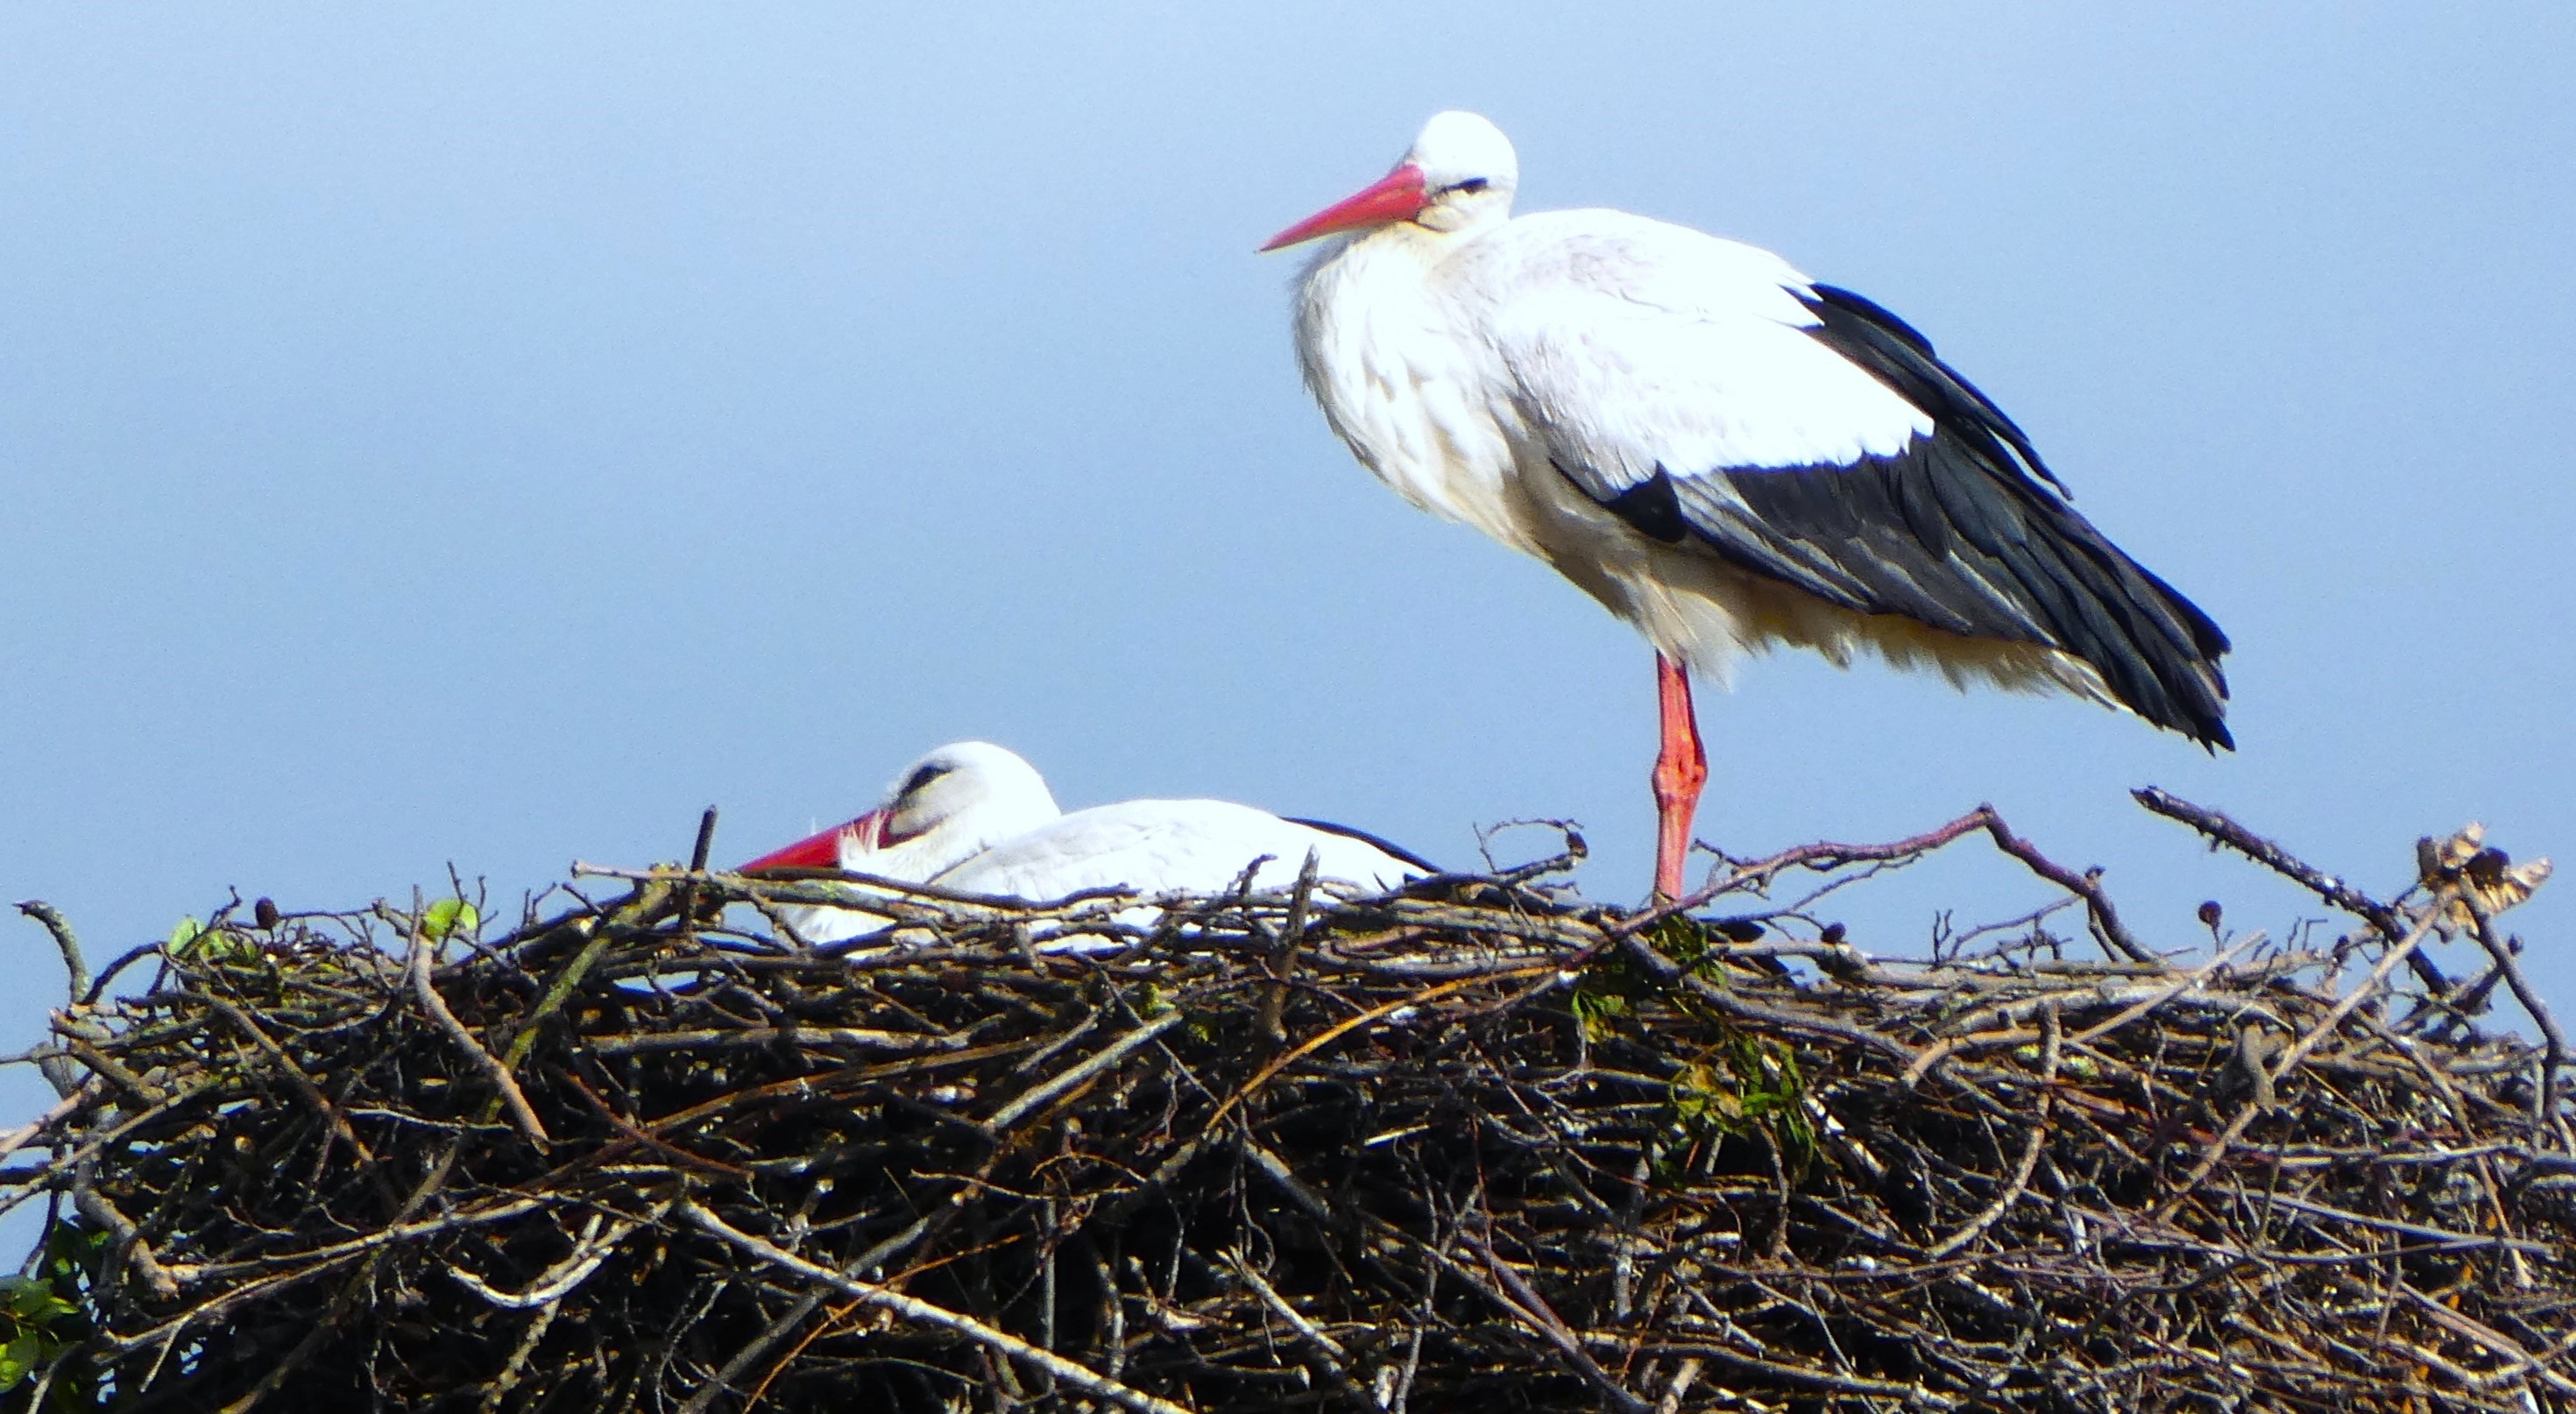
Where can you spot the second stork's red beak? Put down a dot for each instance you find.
(1397, 196)
(823, 851)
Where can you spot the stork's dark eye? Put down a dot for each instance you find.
(1471, 185)
(921, 778)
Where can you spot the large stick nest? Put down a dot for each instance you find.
(1474, 1147)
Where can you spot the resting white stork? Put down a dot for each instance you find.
(975, 818)
(1725, 453)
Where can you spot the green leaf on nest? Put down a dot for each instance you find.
(449, 916)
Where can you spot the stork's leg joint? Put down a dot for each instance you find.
(1679, 777)
(1681, 768)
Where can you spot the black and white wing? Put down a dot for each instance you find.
(1711, 395)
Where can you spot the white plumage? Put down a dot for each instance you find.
(1723, 452)
(974, 818)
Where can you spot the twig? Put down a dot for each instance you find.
(2288, 1060)
(131, 1245)
(304, 1086)
(2031, 1145)
(912, 1235)
(562, 1279)
(596, 938)
(1524, 1301)
(1672, 973)
(67, 942)
(1328, 1351)
(2371, 983)
(2145, 1005)
(523, 1114)
(2222, 830)
(2087, 886)
(687, 896)
(913, 1308)
(2105, 918)
(1684, 1376)
(516, 1366)
(2441, 1237)
(320, 1332)
(706, 842)
(1822, 855)
(1828, 854)
(1002, 1119)
(1291, 934)
(2554, 1056)
(2523, 1361)
(400, 1231)
(1333, 1033)
(69, 1105)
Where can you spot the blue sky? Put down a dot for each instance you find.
(477, 436)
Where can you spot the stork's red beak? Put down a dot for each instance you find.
(1397, 196)
(823, 851)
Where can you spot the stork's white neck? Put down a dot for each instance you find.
(1390, 356)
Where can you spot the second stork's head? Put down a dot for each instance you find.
(948, 807)
(1459, 177)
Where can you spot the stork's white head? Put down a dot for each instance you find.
(949, 806)
(1459, 176)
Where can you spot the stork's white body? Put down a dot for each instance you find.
(1463, 367)
(973, 818)
(1172, 846)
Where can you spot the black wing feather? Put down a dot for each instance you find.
(1897, 354)
(1383, 846)
(1961, 531)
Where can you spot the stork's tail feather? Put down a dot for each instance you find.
(2154, 649)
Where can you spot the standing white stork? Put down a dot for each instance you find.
(975, 818)
(1722, 451)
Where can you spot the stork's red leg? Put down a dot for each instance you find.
(1680, 769)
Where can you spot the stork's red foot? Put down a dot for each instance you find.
(1681, 768)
